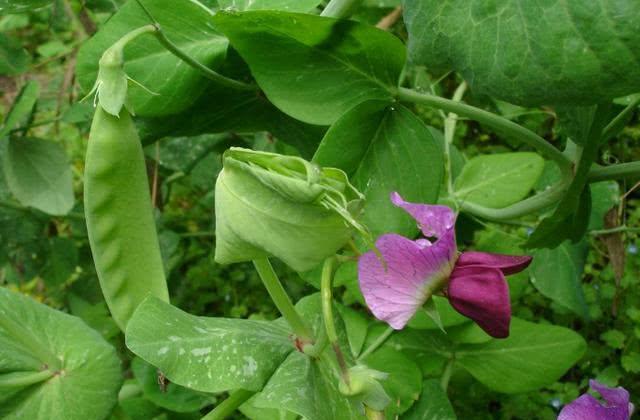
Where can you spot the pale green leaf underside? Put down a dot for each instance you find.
(531, 52)
(84, 376)
(187, 24)
(499, 180)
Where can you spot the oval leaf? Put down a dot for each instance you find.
(315, 68)
(499, 180)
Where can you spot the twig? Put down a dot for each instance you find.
(389, 20)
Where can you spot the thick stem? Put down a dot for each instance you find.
(498, 123)
(281, 299)
(449, 130)
(619, 171)
(340, 8)
(377, 343)
(327, 316)
(530, 205)
(228, 406)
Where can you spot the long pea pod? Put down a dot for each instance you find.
(119, 216)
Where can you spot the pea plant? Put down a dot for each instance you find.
(374, 192)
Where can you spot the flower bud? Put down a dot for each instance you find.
(282, 206)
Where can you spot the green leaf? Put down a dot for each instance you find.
(557, 274)
(404, 382)
(534, 355)
(430, 349)
(531, 53)
(21, 109)
(385, 148)
(52, 366)
(614, 338)
(233, 111)
(62, 260)
(207, 354)
(175, 397)
(188, 24)
(315, 68)
(355, 325)
(260, 413)
(286, 5)
(39, 175)
(631, 362)
(14, 59)
(448, 316)
(498, 180)
(20, 6)
(604, 195)
(432, 405)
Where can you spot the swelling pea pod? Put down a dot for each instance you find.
(119, 216)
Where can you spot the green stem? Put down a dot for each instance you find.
(498, 123)
(620, 120)
(621, 170)
(615, 230)
(377, 343)
(530, 205)
(23, 379)
(327, 315)
(281, 299)
(204, 70)
(228, 406)
(340, 8)
(130, 36)
(446, 374)
(28, 340)
(449, 130)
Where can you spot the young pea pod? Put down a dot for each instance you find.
(119, 216)
(283, 206)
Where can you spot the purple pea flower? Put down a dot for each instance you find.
(414, 270)
(586, 407)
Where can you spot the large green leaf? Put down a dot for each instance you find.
(220, 109)
(315, 68)
(432, 405)
(557, 274)
(531, 52)
(186, 23)
(499, 180)
(534, 355)
(52, 365)
(286, 5)
(385, 148)
(207, 354)
(39, 174)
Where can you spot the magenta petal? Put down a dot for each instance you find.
(414, 271)
(508, 264)
(433, 220)
(482, 294)
(587, 407)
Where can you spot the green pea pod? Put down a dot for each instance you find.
(119, 216)
(283, 206)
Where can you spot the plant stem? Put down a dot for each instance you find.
(618, 122)
(204, 70)
(23, 379)
(530, 205)
(327, 315)
(340, 8)
(615, 230)
(228, 406)
(281, 299)
(498, 123)
(446, 374)
(621, 170)
(377, 343)
(449, 130)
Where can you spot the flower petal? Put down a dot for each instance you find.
(587, 407)
(414, 271)
(508, 264)
(433, 220)
(482, 294)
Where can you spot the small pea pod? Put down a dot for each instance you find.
(119, 216)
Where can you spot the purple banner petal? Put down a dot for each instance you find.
(433, 220)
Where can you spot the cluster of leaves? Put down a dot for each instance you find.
(315, 73)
